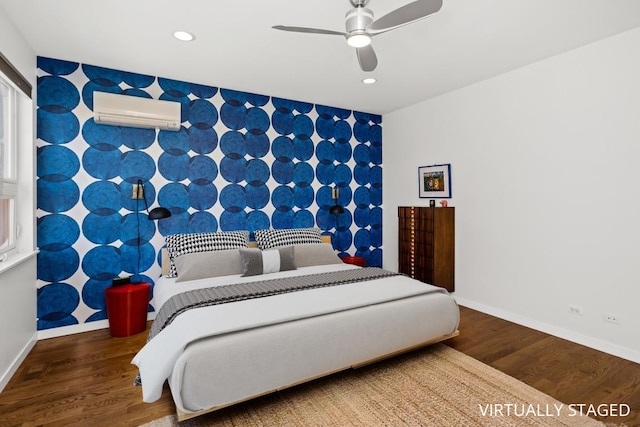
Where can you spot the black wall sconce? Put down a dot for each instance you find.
(336, 208)
(155, 214)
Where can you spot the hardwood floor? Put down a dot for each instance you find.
(86, 379)
(80, 380)
(569, 372)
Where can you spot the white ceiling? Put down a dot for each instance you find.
(465, 42)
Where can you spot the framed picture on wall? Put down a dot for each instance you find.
(434, 181)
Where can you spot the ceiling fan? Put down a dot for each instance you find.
(360, 26)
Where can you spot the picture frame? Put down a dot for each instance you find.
(434, 181)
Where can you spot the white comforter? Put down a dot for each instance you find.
(156, 359)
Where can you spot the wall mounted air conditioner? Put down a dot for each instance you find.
(133, 111)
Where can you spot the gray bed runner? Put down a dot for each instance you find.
(182, 302)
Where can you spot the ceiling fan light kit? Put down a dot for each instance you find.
(356, 22)
(358, 39)
(360, 26)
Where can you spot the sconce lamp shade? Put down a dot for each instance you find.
(159, 213)
(336, 209)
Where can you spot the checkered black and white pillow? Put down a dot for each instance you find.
(267, 239)
(180, 244)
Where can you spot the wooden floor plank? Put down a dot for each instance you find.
(86, 379)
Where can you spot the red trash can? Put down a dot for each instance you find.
(127, 307)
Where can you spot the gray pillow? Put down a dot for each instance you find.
(256, 261)
(186, 243)
(200, 265)
(315, 254)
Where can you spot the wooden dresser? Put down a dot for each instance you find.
(426, 239)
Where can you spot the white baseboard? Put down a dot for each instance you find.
(77, 329)
(6, 376)
(607, 347)
(72, 329)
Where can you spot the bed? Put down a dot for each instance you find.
(217, 354)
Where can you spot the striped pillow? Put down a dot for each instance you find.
(186, 243)
(256, 261)
(267, 239)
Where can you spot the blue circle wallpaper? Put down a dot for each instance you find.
(240, 161)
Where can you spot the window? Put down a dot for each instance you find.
(8, 161)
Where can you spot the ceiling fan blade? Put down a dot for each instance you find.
(367, 58)
(404, 15)
(307, 30)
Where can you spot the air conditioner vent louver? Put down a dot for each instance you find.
(133, 111)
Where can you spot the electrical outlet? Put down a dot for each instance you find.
(574, 309)
(611, 318)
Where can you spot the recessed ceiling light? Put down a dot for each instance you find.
(183, 36)
(369, 81)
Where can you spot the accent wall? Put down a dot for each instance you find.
(241, 161)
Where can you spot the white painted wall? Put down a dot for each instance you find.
(546, 184)
(18, 273)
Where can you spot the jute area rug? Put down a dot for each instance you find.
(435, 386)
